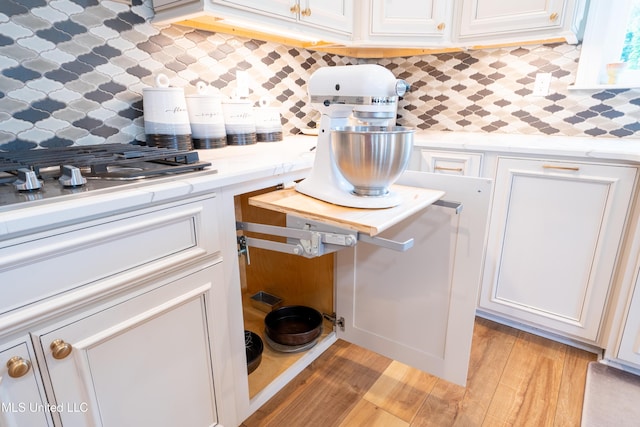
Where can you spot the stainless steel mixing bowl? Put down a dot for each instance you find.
(371, 158)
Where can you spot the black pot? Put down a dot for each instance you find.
(293, 325)
(253, 346)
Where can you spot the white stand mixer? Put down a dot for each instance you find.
(369, 92)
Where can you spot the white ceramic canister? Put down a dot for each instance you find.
(166, 121)
(206, 118)
(239, 122)
(268, 122)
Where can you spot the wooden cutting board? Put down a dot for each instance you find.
(368, 221)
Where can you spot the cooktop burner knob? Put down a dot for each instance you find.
(27, 180)
(71, 176)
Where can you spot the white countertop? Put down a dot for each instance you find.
(626, 149)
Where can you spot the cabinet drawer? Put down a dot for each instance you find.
(64, 259)
(449, 162)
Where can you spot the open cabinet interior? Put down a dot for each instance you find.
(296, 280)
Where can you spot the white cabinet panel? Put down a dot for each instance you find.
(145, 361)
(496, 16)
(397, 17)
(282, 8)
(334, 14)
(554, 237)
(451, 163)
(158, 238)
(22, 399)
(418, 306)
(629, 350)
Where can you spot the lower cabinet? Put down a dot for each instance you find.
(22, 398)
(629, 350)
(141, 360)
(554, 236)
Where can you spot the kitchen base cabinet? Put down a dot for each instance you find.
(143, 361)
(629, 350)
(554, 237)
(417, 306)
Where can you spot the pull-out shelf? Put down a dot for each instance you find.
(315, 228)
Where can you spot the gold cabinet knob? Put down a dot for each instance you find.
(553, 17)
(440, 26)
(18, 366)
(295, 8)
(306, 12)
(60, 349)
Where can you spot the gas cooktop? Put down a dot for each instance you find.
(31, 175)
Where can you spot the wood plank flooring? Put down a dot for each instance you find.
(515, 379)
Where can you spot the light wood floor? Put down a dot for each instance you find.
(515, 379)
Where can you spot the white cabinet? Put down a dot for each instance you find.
(554, 236)
(333, 14)
(142, 361)
(531, 19)
(405, 22)
(22, 398)
(418, 306)
(629, 350)
(109, 320)
(448, 162)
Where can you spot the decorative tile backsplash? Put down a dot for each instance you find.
(72, 72)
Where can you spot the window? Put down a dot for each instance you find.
(631, 45)
(610, 55)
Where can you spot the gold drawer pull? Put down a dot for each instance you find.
(18, 366)
(306, 12)
(553, 17)
(563, 168)
(442, 168)
(295, 8)
(441, 26)
(60, 349)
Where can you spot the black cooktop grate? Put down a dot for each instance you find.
(99, 157)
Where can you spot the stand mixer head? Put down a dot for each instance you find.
(368, 93)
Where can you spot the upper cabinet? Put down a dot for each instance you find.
(300, 23)
(336, 15)
(400, 27)
(404, 22)
(493, 21)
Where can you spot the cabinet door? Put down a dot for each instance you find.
(479, 17)
(143, 362)
(451, 163)
(22, 399)
(553, 241)
(629, 350)
(281, 8)
(397, 17)
(418, 306)
(333, 14)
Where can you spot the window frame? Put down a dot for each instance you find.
(602, 44)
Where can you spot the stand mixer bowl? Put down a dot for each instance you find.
(371, 158)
